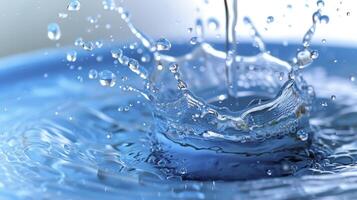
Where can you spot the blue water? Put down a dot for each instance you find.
(64, 136)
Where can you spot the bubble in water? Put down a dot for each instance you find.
(74, 5)
(348, 13)
(163, 44)
(270, 19)
(117, 53)
(53, 31)
(302, 135)
(93, 74)
(324, 104)
(194, 40)
(213, 24)
(323, 41)
(71, 56)
(107, 78)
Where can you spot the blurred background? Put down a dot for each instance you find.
(24, 22)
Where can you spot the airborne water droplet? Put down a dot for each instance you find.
(117, 53)
(270, 19)
(302, 135)
(93, 74)
(71, 56)
(107, 78)
(163, 44)
(74, 5)
(213, 24)
(320, 4)
(53, 31)
(194, 40)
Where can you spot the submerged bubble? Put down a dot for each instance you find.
(163, 44)
(107, 78)
(92, 74)
(53, 31)
(71, 56)
(74, 5)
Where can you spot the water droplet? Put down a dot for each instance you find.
(71, 56)
(93, 74)
(117, 53)
(88, 46)
(53, 31)
(324, 104)
(314, 54)
(62, 15)
(107, 78)
(304, 57)
(323, 41)
(269, 172)
(270, 19)
(324, 19)
(348, 13)
(145, 58)
(320, 4)
(108, 4)
(74, 5)
(194, 40)
(352, 78)
(78, 42)
(134, 66)
(333, 97)
(163, 44)
(189, 30)
(302, 135)
(213, 24)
